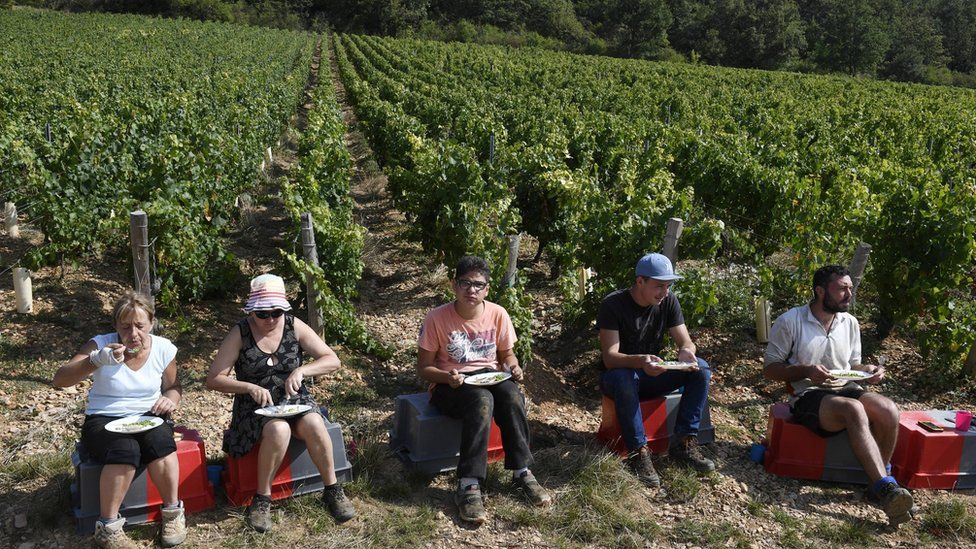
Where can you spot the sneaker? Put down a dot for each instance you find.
(470, 507)
(259, 513)
(896, 502)
(337, 503)
(532, 489)
(173, 531)
(686, 451)
(111, 536)
(639, 463)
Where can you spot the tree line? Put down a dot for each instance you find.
(932, 41)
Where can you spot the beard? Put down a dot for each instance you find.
(832, 306)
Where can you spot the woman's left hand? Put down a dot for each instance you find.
(294, 382)
(163, 406)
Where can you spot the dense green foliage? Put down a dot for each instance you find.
(171, 117)
(593, 155)
(914, 40)
(457, 204)
(320, 186)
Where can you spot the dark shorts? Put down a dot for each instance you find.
(806, 410)
(137, 449)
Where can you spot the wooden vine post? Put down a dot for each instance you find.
(857, 266)
(311, 255)
(139, 238)
(671, 237)
(511, 269)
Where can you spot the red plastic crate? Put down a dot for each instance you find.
(943, 460)
(659, 415)
(297, 474)
(794, 451)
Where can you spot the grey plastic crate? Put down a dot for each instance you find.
(422, 434)
(706, 431)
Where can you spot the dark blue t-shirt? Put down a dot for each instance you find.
(641, 329)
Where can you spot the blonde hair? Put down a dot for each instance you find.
(128, 303)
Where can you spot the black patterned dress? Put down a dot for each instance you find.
(252, 367)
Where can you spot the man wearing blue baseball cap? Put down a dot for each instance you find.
(632, 325)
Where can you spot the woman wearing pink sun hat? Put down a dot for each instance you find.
(265, 352)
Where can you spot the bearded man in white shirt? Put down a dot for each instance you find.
(806, 346)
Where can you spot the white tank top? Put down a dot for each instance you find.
(118, 391)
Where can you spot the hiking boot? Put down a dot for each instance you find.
(469, 504)
(259, 513)
(639, 462)
(532, 489)
(173, 531)
(686, 451)
(337, 503)
(896, 502)
(112, 537)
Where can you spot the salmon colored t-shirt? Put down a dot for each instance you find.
(467, 345)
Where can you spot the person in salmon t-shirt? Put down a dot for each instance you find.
(463, 338)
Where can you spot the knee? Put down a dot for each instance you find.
(483, 406)
(276, 432)
(852, 411)
(884, 410)
(704, 372)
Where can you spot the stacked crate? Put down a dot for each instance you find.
(297, 474)
(427, 440)
(142, 502)
(794, 451)
(659, 416)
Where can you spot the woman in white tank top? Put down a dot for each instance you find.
(133, 373)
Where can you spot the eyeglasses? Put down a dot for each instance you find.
(476, 284)
(264, 315)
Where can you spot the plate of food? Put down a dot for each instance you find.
(133, 424)
(283, 410)
(677, 365)
(487, 378)
(850, 375)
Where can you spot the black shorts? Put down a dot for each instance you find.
(137, 449)
(806, 409)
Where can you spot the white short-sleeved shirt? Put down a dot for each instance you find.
(119, 391)
(798, 337)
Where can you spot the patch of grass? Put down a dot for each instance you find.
(949, 520)
(37, 466)
(785, 520)
(346, 400)
(372, 468)
(596, 501)
(404, 527)
(681, 483)
(793, 539)
(707, 534)
(755, 507)
(855, 532)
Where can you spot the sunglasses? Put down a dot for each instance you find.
(264, 315)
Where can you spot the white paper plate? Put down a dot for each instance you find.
(285, 410)
(487, 378)
(850, 375)
(676, 365)
(133, 424)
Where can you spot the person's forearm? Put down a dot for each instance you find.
(73, 372)
(434, 374)
(782, 371)
(321, 366)
(690, 347)
(614, 360)
(174, 393)
(227, 384)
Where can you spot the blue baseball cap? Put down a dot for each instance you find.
(656, 266)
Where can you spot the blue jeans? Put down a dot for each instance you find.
(628, 387)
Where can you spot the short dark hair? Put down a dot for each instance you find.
(472, 264)
(825, 274)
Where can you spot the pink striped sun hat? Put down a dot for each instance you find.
(267, 292)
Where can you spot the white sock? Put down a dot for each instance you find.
(176, 505)
(467, 481)
(111, 521)
(520, 472)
